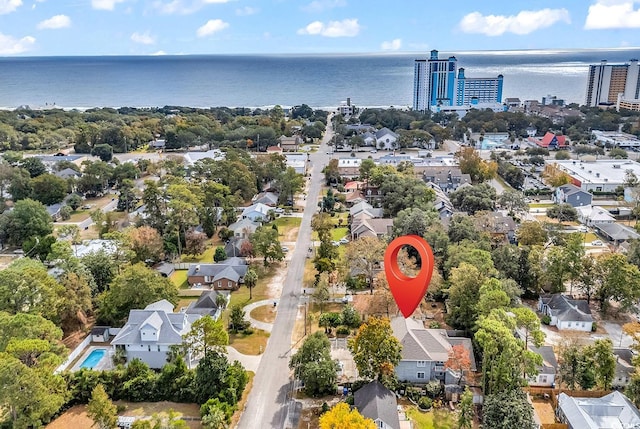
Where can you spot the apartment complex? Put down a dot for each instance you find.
(439, 85)
(613, 84)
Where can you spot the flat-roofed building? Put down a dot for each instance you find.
(600, 176)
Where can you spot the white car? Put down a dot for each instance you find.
(582, 228)
(596, 243)
(343, 240)
(284, 249)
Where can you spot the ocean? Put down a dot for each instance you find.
(321, 81)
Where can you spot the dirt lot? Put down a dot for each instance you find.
(76, 417)
(544, 410)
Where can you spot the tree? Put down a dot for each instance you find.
(76, 303)
(364, 256)
(472, 199)
(466, 413)
(472, 164)
(462, 228)
(464, 294)
(103, 151)
(603, 362)
(375, 350)
(34, 166)
(216, 378)
(529, 323)
(618, 153)
(237, 322)
(102, 267)
(342, 417)
(531, 233)
(28, 219)
(250, 280)
(514, 201)
(563, 212)
(459, 361)
(206, 336)
(266, 244)
(321, 292)
(135, 287)
(507, 410)
(183, 208)
(101, 410)
(288, 183)
(616, 280)
(413, 221)
(220, 255)
(146, 243)
(48, 189)
(314, 366)
(20, 186)
(404, 191)
(196, 243)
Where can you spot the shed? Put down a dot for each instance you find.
(100, 334)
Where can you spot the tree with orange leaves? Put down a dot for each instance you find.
(459, 361)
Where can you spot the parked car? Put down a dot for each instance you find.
(343, 240)
(335, 243)
(285, 249)
(596, 243)
(583, 228)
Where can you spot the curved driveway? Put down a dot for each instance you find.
(267, 403)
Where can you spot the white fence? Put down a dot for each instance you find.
(74, 354)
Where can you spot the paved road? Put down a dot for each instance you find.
(268, 401)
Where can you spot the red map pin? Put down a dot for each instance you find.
(408, 291)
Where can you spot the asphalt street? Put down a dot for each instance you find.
(268, 401)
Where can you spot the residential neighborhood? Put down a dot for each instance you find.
(247, 284)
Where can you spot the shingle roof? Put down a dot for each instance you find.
(206, 304)
(567, 309)
(549, 361)
(232, 268)
(170, 326)
(375, 401)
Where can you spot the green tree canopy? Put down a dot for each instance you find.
(28, 219)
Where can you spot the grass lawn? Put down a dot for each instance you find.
(241, 296)
(507, 187)
(286, 225)
(184, 302)
(179, 278)
(423, 420)
(265, 313)
(540, 205)
(79, 216)
(339, 233)
(253, 344)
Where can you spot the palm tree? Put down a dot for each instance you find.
(250, 279)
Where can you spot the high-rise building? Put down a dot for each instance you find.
(438, 85)
(608, 84)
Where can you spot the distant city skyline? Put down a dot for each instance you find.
(175, 27)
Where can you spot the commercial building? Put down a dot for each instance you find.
(599, 176)
(439, 85)
(615, 139)
(609, 84)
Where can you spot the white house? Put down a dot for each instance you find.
(386, 139)
(546, 376)
(594, 215)
(566, 313)
(256, 212)
(149, 334)
(611, 411)
(243, 228)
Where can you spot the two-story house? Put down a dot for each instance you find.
(149, 334)
(425, 351)
(571, 194)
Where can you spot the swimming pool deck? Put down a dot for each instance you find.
(106, 363)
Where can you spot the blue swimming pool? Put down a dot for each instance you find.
(94, 357)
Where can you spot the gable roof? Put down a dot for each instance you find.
(384, 131)
(268, 198)
(170, 326)
(549, 361)
(376, 402)
(550, 139)
(243, 224)
(68, 172)
(613, 411)
(259, 208)
(617, 232)
(232, 269)
(570, 189)
(419, 343)
(205, 305)
(567, 309)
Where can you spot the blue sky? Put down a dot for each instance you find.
(145, 27)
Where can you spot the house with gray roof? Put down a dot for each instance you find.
(446, 177)
(149, 334)
(624, 367)
(386, 139)
(425, 351)
(266, 198)
(566, 313)
(68, 173)
(616, 233)
(256, 212)
(207, 304)
(612, 411)
(225, 275)
(573, 195)
(243, 228)
(546, 376)
(364, 207)
(376, 402)
(363, 225)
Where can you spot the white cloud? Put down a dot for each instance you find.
(392, 45)
(212, 26)
(159, 53)
(9, 45)
(613, 14)
(344, 28)
(8, 6)
(55, 22)
(105, 4)
(525, 22)
(183, 7)
(322, 5)
(143, 38)
(247, 10)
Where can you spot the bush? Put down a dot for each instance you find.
(433, 388)
(425, 403)
(546, 319)
(594, 327)
(343, 330)
(325, 407)
(434, 325)
(350, 400)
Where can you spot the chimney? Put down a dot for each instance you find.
(197, 268)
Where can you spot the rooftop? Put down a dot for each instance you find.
(600, 171)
